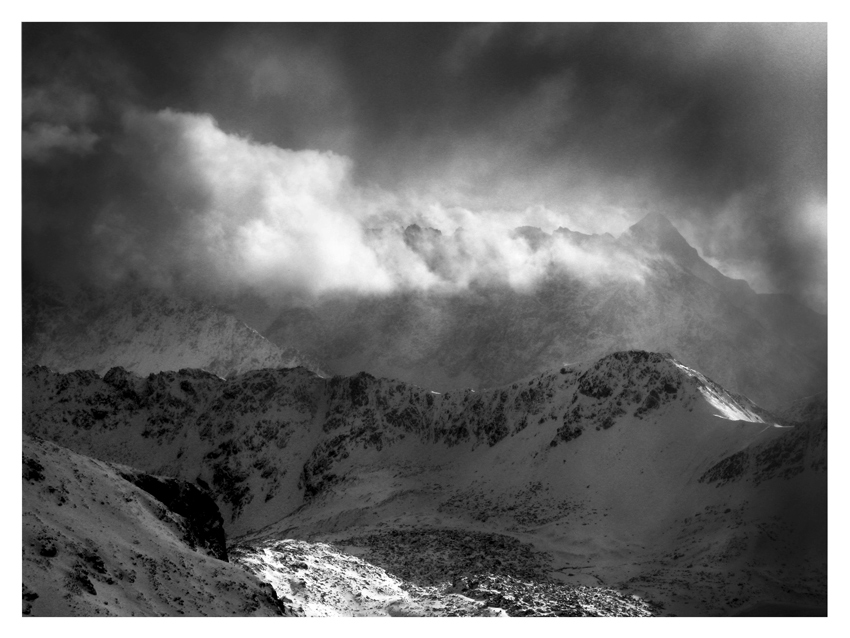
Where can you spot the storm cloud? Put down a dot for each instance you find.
(165, 149)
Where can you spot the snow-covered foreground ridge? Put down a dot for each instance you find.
(96, 544)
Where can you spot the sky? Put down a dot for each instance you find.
(259, 156)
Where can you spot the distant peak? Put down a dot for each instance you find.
(654, 223)
(657, 231)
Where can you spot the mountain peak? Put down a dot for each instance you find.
(657, 232)
(655, 225)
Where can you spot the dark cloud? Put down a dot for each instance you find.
(721, 127)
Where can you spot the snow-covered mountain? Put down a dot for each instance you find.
(143, 331)
(616, 469)
(769, 347)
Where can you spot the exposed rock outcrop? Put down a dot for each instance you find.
(204, 524)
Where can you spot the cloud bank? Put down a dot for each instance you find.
(226, 213)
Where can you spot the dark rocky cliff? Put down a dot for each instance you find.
(204, 524)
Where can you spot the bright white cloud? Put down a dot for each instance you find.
(243, 214)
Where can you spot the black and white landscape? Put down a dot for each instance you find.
(424, 320)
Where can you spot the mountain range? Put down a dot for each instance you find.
(632, 471)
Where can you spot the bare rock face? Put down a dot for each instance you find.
(204, 524)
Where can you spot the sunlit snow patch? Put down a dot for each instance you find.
(725, 404)
(728, 409)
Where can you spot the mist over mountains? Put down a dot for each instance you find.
(659, 295)
(572, 297)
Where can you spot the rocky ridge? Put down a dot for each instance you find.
(281, 433)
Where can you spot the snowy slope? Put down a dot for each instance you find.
(96, 545)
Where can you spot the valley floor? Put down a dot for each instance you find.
(405, 573)
(409, 566)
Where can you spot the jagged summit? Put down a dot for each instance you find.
(658, 235)
(656, 223)
(658, 232)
